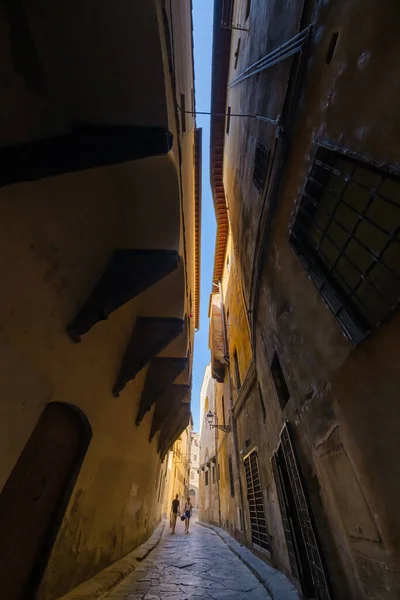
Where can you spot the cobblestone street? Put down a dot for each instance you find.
(190, 567)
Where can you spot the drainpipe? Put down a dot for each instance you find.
(216, 466)
(234, 426)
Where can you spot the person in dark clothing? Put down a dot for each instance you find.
(174, 513)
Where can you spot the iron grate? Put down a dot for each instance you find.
(260, 165)
(347, 234)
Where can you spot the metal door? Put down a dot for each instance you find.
(298, 522)
(259, 533)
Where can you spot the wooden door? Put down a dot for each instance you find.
(35, 496)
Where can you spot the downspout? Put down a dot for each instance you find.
(216, 466)
(234, 425)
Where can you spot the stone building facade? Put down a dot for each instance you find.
(176, 479)
(100, 221)
(208, 480)
(314, 214)
(194, 469)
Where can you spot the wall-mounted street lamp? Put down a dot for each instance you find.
(210, 418)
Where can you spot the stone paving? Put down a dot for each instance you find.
(190, 567)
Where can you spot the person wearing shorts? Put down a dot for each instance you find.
(187, 513)
(174, 513)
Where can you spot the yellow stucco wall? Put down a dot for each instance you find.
(57, 236)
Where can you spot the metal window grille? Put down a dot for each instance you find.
(347, 234)
(279, 381)
(232, 486)
(259, 532)
(260, 165)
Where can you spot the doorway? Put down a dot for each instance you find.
(259, 533)
(35, 496)
(301, 539)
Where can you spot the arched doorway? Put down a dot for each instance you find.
(193, 497)
(35, 496)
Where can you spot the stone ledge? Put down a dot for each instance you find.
(276, 583)
(101, 584)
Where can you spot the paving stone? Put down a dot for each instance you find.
(198, 566)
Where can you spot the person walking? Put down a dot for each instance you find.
(187, 514)
(174, 513)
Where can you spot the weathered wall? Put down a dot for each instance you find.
(177, 472)
(194, 476)
(208, 494)
(57, 236)
(343, 405)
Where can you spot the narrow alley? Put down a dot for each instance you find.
(194, 566)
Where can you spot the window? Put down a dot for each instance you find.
(279, 381)
(195, 457)
(237, 53)
(223, 409)
(213, 474)
(331, 48)
(232, 486)
(260, 165)
(183, 113)
(228, 320)
(191, 475)
(346, 233)
(237, 372)
(248, 7)
(228, 119)
(206, 476)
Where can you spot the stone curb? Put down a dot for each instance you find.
(101, 584)
(276, 583)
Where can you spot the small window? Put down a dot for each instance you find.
(237, 372)
(206, 476)
(191, 475)
(213, 474)
(260, 165)
(223, 409)
(195, 457)
(331, 48)
(346, 233)
(228, 320)
(228, 119)
(231, 483)
(279, 381)
(237, 53)
(248, 8)
(183, 112)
